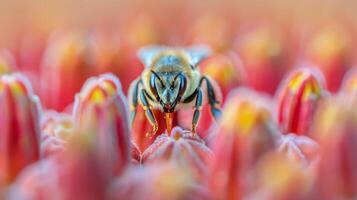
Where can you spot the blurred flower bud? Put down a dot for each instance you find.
(182, 146)
(245, 133)
(83, 172)
(7, 62)
(349, 85)
(19, 122)
(330, 51)
(298, 98)
(110, 54)
(101, 108)
(264, 59)
(159, 180)
(278, 179)
(226, 69)
(78, 172)
(36, 182)
(336, 130)
(65, 67)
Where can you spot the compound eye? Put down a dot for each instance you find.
(182, 86)
(153, 87)
(173, 85)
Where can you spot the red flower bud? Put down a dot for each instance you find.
(298, 99)
(336, 130)
(19, 122)
(81, 171)
(100, 107)
(264, 58)
(245, 133)
(159, 180)
(65, 67)
(276, 178)
(329, 50)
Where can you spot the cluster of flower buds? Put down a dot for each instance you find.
(286, 131)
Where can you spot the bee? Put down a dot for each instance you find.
(171, 79)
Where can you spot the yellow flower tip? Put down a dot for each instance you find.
(97, 95)
(307, 83)
(98, 91)
(15, 84)
(241, 116)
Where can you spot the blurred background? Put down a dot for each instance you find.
(271, 35)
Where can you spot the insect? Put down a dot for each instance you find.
(171, 79)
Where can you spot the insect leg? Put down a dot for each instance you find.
(148, 113)
(197, 112)
(133, 99)
(214, 104)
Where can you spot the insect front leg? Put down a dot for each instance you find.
(214, 104)
(148, 113)
(133, 99)
(197, 112)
